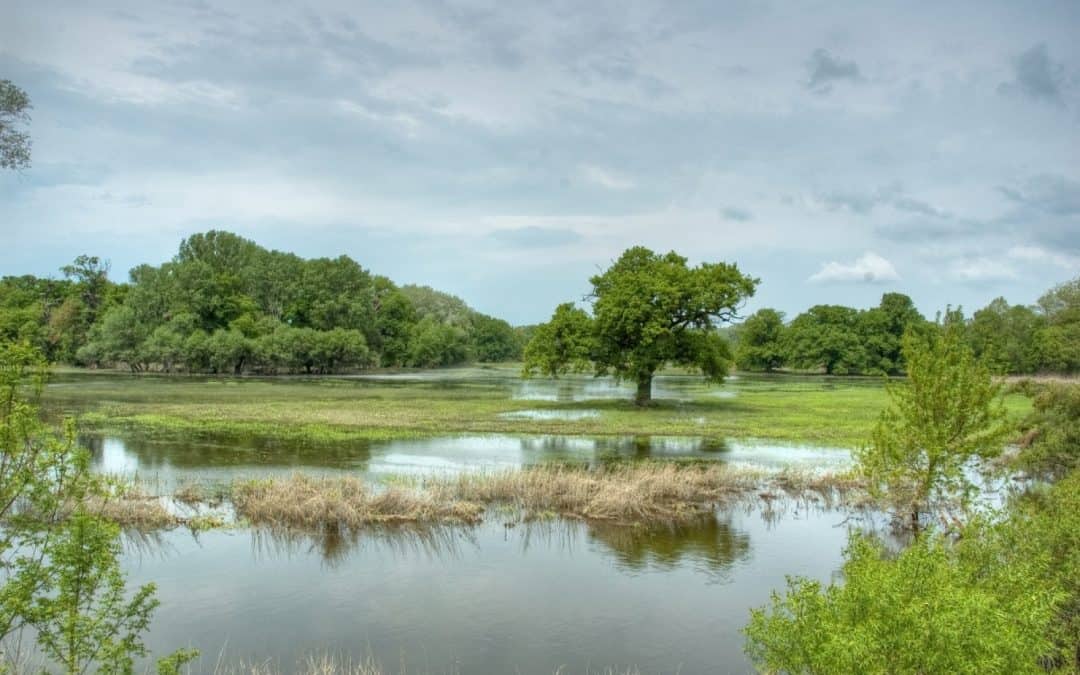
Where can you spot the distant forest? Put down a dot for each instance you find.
(1011, 339)
(226, 305)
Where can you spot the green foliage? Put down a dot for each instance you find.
(934, 608)
(562, 345)
(14, 112)
(85, 617)
(225, 305)
(1051, 447)
(759, 339)
(1046, 522)
(826, 337)
(649, 310)
(1003, 597)
(437, 344)
(60, 579)
(883, 329)
(1003, 336)
(947, 413)
(494, 340)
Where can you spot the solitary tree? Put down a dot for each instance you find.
(649, 310)
(948, 413)
(14, 112)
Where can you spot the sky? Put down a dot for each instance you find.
(505, 151)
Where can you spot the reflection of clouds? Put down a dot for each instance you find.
(161, 466)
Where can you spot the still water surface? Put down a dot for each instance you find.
(490, 599)
(171, 462)
(487, 599)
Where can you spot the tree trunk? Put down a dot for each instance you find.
(915, 523)
(644, 390)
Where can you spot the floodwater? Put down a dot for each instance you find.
(544, 597)
(221, 459)
(491, 599)
(495, 598)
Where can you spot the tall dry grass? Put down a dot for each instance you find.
(648, 492)
(629, 493)
(313, 503)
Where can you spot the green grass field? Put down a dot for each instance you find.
(794, 409)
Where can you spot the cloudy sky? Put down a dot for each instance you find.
(505, 151)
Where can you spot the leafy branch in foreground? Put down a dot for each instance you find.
(60, 577)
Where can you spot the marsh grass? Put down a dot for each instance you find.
(315, 503)
(651, 492)
(643, 493)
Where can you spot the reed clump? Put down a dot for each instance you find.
(309, 502)
(631, 493)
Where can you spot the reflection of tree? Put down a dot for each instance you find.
(620, 448)
(224, 450)
(335, 545)
(710, 541)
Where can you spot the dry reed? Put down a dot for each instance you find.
(313, 503)
(632, 493)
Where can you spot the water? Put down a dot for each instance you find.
(529, 598)
(495, 598)
(221, 459)
(491, 599)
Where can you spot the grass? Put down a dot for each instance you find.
(650, 493)
(310, 503)
(784, 408)
(642, 493)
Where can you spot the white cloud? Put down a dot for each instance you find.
(868, 268)
(981, 269)
(1037, 255)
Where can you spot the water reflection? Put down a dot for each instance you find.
(334, 546)
(711, 544)
(210, 459)
(488, 599)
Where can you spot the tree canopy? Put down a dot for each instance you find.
(224, 304)
(838, 340)
(648, 310)
(14, 113)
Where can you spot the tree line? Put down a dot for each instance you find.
(838, 340)
(226, 305)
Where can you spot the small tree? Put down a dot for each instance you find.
(649, 310)
(948, 413)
